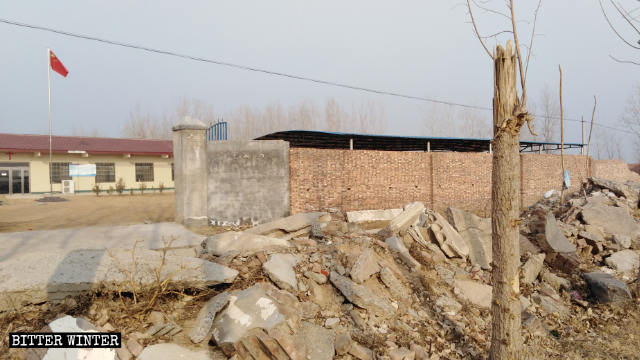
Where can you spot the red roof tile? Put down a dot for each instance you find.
(92, 145)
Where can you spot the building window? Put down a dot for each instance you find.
(59, 172)
(105, 172)
(144, 172)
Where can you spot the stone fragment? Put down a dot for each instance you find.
(476, 293)
(526, 246)
(361, 296)
(448, 305)
(134, 347)
(421, 353)
(407, 217)
(54, 275)
(448, 238)
(360, 352)
(532, 268)
(290, 224)
(550, 305)
(402, 353)
(622, 240)
(78, 325)
(331, 322)
(316, 231)
(416, 234)
(279, 268)
(242, 243)
(256, 344)
(565, 262)
(308, 310)
(318, 341)
(247, 309)
(317, 277)
(617, 188)
(282, 334)
(170, 351)
(625, 261)
(365, 266)
(123, 353)
(398, 291)
(612, 219)
(594, 240)
(204, 320)
(606, 288)
(342, 343)
(477, 233)
(396, 245)
(554, 280)
(323, 295)
(372, 215)
(357, 319)
(554, 240)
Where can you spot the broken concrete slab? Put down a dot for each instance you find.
(53, 275)
(448, 238)
(549, 305)
(622, 240)
(361, 296)
(625, 261)
(317, 277)
(448, 305)
(242, 243)
(365, 266)
(397, 245)
(606, 288)
(531, 268)
(554, 240)
(620, 189)
(476, 293)
(247, 309)
(526, 246)
(398, 291)
(290, 223)
(204, 321)
(148, 236)
(318, 341)
(407, 217)
(612, 219)
(256, 344)
(279, 268)
(372, 215)
(169, 351)
(554, 280)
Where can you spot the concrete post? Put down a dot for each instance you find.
(190, 171)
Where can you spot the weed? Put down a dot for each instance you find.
(161, 187)
(142, 187)
(120, 186)
(96, 189)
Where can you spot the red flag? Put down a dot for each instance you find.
(56, 64)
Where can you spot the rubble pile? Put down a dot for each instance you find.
(314, 286)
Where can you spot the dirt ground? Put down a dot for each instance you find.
(23, 214)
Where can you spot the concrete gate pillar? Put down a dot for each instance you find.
(190, 171)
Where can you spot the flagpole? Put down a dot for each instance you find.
(49, 88)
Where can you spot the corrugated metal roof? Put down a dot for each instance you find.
(92, 145)
(340, 140)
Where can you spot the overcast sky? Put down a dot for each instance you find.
(421, 48)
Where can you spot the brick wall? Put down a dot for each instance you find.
(363, 179)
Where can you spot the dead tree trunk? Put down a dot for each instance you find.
(508, 118)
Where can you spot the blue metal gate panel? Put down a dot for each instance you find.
(218, 132)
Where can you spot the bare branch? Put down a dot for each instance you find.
(498, 33)
(492, 11)
(614, 29)
(475, 28)
(515, 38)
(624, 16)
(533, 33)
(624, 61)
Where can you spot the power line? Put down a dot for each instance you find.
(265, 71)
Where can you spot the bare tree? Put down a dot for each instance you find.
(509, 115)
(624, 24)
(547, 111)
(631, 117)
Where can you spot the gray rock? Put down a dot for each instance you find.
(248, 309)
(606, 288)
(532, 268)
(170, 351)
(318, 341)
(448, 305)
(372, 215)
(318, 278)
(242, 243)
(622, 240)
(554, 280)
(550, 305)
(290, 224)
(204, 321)
(361, 296)
(316, 231)
(612, 219)
(397, 245)
(279, 268)
(526, 246)
(54, 275)
(398, 291)
(360, 352)
(476, 293)
(365, 266)
(617, 188)
(554, 240)
(331, 322)
(594, 237)
(342, 343)
(625, 261)
(476, 231)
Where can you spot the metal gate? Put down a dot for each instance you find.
(218, 132)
